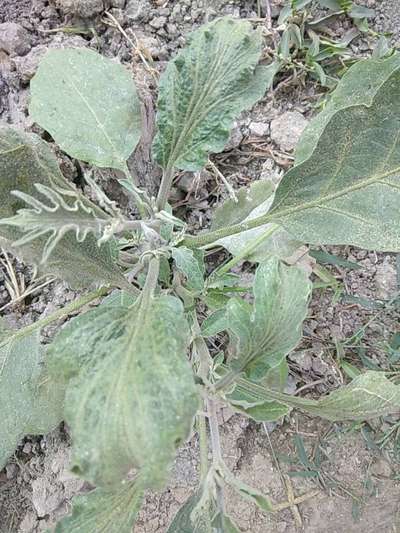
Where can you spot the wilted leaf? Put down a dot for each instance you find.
(26, 160)
(252, 203)
(131, 396)
(103, 511)
(30, 403)
(348, 191)
(358, 86)
(190, 266)
(264, 334)
(88, 104)
(369, 395)
(204, 88)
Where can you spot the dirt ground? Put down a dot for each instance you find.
(350, 481)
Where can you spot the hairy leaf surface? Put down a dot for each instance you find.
(369, 395)
(30, 403)
(192, 268)
(358, 86)
(88, 104)
(103, 511)
(348, 191)
(131, 396)
(26, 161)
(264, 334)
(204, 88)
(253, 202)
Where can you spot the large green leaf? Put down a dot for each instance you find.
(204, 88)
(348, 191)
(25, 161)
(103, 511)
(369, 395)
(131, 396)
(358, 86)
(262, 335)
(88, 104)
(252, 202)
(30, 403)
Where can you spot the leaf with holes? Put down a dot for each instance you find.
(27, 165)
(88, 104)
(131, 396)
(204, 89)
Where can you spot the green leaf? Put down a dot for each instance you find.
(214, 323)
(103, 511)
(190, 266)
(251, 203)
(30, 403)
(348, 191)
(131, 396)
(248, 493)
(223, 523)
(260, 411)
(88, 104)
(26, 161)
(195, 515)
(264, 334)
(369, 395)
(204, 89)
(358, 86)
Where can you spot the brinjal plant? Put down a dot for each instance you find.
(134, 374)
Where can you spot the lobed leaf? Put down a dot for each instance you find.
(131, 396)
(28, 163)
(88, 104)
(30, 403)
(358, 86)
(264, 334)
(204, 88)
(103, 511)
(348, 191)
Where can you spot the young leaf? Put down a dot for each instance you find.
(88, 104)
(103, 511)
(204, 88)
(358, 86)
(30, 403)
(185, 521)
(131, 396)
(264, 335)
(253, 202)
(223, 523)
(190, 266)
(348, 191)
(26, 161)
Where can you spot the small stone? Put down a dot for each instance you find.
(235, 138)
(119, 4)
(137, 9)
(11, 470)
(83, 8)
(287, 129)
(260, 129)
(381, 468)
(27, 448)
(158, 22)
(14, 39)
(386, 280)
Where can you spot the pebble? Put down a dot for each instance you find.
(260, 129)
(14, 39)
(158, 22)
(287, 129)
(386, 280)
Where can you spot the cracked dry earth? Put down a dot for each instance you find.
(357, 488)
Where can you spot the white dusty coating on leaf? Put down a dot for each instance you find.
(204, 89)
(88, 104)
(131, 397)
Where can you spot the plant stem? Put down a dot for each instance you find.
(165, 187)
(203, 442)
(60, 313)
(151, 281)
(216, 448)
(253, 244)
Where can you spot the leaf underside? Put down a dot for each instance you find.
(348, 191)
(103, 511)
(130, 397)
(88, 104)
(30, 404)
(203, 89)
(25, 161)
